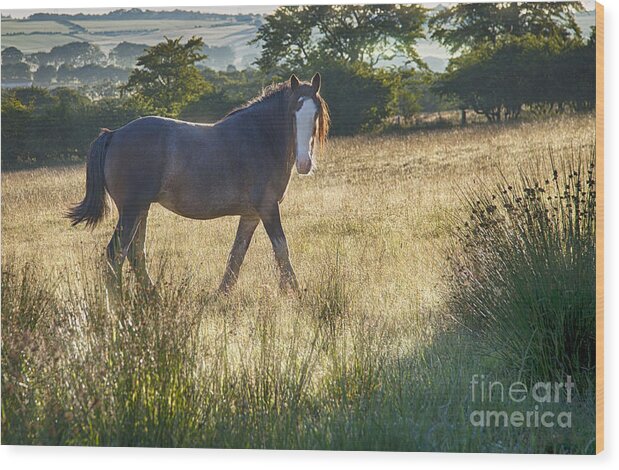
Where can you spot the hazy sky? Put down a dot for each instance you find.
(233, 9)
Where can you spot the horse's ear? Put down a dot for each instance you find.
(294, 82)
(316, 82)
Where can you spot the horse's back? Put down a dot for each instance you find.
(138, 155)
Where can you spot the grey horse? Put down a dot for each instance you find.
(239, 166)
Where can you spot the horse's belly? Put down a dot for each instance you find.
(200, 207)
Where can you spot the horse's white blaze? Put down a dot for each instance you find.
(305, 120)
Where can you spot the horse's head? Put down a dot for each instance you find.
(310, 117)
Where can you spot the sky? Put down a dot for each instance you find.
(34, 7)
(230, 9)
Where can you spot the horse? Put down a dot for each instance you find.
(239, 166)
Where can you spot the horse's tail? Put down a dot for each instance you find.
(94, 206)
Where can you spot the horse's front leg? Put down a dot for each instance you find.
(273, 225)
(244, 233)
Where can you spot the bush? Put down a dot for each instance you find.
(43, 126)
(358, 96)
(210, 107)
(523, 270)
(499, 80)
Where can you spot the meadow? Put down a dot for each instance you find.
(367, 357)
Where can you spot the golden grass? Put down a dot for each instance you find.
(367, 235)
(383, 198)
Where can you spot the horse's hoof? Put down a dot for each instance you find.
(224, 290)
(291, 290)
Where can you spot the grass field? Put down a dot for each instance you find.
(28, 27)
(366, 358)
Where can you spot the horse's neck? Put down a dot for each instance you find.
(279, 135)
(277, 132)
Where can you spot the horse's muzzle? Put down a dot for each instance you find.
(304, 165)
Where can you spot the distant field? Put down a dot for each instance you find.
(27, 27)
(35, 36)
(96, 26)
(29, 43)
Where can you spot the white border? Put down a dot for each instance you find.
(65, 458)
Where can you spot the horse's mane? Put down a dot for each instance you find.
(280, 91)
(271, 91)
(324, 120)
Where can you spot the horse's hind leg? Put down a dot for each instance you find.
(119, 245)
(244, 233)
(137, 253)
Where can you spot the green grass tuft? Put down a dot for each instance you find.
(524, 269)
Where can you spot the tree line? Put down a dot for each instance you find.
(85, 65)
(507, 58)
(79, 62)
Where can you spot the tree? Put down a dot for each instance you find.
(93, 73)
(470, 25)
(44, 75)
(16, 118)
(542, 73)
(126, 54)
(12, 55)
(74, 54)
(166, 78)
(411, 94)
(358, 96)
(42, 125)
(351, 33)
(219, 56)
(210, 107)
(16, 72)
(65, 74)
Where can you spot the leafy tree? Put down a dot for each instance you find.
(36, 97)
(74, 54)
(44, 75)
(411, 94)
(358, 96)
(16, 117)
(166, 78)
(126, 54)
(470, 25)
(66, 116)
(294, 36)
(211, 106)
(65, 74)
(541, 73)
(345, 43)
(219, 56)
(12, 55)
(16, 72)
(42, 125)
(94, 73)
